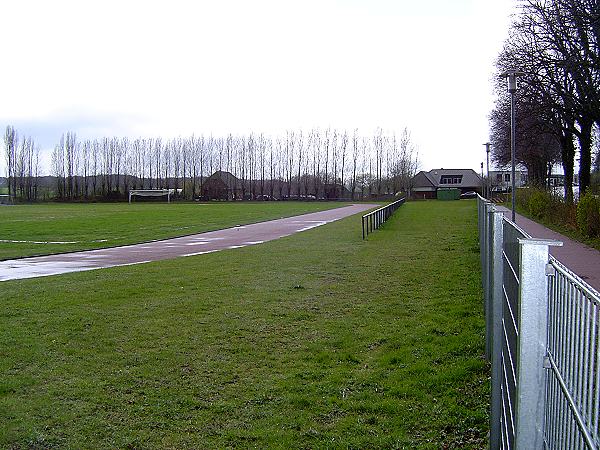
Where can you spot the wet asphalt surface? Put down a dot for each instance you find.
(579, 258)
(196, 244)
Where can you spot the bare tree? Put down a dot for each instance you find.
(316, 173)
(299, 145)
(355, 154)
(58, 168)
(342, 151)
(10, 146)
(555, 42)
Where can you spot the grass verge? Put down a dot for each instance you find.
(311, 341)
(42, 229)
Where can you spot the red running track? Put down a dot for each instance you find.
(578, 257)
(196, 244)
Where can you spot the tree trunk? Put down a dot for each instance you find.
(585, 160)
(568, 162)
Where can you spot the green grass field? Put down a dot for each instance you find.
(41, 229)
(317, 340)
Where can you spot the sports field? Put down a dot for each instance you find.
(41, 229)
(316, 340)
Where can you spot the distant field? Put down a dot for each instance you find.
(317, 340)
(60, 227)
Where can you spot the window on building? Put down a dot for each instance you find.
(499, 177)
(507, 177)
(451, 179)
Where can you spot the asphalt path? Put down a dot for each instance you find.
(195, 244)
(579, 258)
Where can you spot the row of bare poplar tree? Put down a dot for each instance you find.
(300, 163)
(22, 166)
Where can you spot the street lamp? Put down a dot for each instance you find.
(482, 185)
(511, 76)
(488, 185)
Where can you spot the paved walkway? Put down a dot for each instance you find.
(196, 244)
(578, 257)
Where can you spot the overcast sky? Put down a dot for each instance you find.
(149, 68)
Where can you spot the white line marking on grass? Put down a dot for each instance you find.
(10, 241)
(13, 241)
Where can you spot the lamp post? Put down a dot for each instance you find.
(482, 184)
(511, 76)
(488, 183)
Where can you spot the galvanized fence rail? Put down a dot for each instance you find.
(373, 220)
(543, 340)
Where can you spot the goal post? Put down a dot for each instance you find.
(151, 193)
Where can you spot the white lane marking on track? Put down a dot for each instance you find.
(128, 264)
(199, 253)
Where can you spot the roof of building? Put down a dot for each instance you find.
(228, 178)
(468, 177)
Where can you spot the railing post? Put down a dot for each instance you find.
(532, 345)
(496, 268)
(362, 221)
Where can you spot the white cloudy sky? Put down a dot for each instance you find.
(150, 68)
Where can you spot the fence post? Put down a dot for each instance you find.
(496, 269)
(486, 265)
(483, 231)
(533, 309)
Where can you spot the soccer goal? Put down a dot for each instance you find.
(151, 193)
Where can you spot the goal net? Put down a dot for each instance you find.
(151, 193)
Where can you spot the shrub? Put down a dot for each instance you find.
(539, 203)
(588, 215)
(523, 195)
